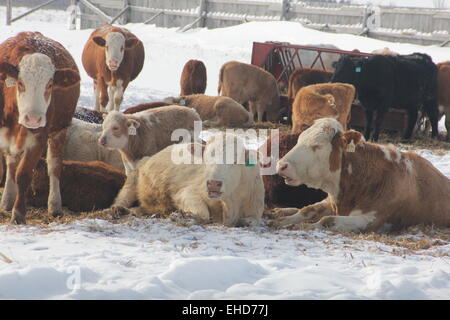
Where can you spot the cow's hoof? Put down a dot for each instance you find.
(56, 214)
(17, 218)
(284, 212)
(120, 211)
(7, 203)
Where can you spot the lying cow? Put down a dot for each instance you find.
(82, 145)
(145, 106)
(144, 133)
(210, 190)
(85, 186)
(193, 78)
(246, 83)
(324, 100)
(370, 187)
(216, 111)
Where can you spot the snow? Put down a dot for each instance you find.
(158, 259)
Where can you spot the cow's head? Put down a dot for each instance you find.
(34, 79)
(227, 163)
(115, 45)
(316, 158)
(117, 128)
(346, 69)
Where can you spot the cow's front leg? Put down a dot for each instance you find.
(54, 166)
(23, 178)
(102, 93)
(118, 93)
(352, 223)
(312, 212)
(10, 190)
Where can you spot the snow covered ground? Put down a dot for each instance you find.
(156, 258)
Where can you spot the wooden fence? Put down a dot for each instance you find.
(414, 25)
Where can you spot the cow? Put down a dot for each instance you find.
(144, 133)
(443, 81)
(302, 77)
(193, 78)
(206, 186)
(252, 85)
(404, 82)
(82, 145)
(216, 111)
(326, 100)
(85, 186)
(277, 193)
(370, 187)
(112, 56)
(146, 106)
(39, 89)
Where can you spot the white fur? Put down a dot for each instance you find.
(114, 48)
(356, 221)
(35, 71)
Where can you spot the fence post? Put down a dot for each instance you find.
(285, 6)
(125, 17)
(202, 13)
(8, 12)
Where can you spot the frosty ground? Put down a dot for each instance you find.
(153, 258)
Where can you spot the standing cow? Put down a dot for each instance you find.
(113, 57)
(246, 83)
(444, 92)
(382, 82)
(39, 89)
(193, 78)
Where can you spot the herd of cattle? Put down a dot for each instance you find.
(102, 158)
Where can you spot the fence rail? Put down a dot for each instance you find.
(421, 26)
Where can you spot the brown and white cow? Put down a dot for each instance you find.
(39, 86)
(444, 92)
(113, 57)
(370, 187)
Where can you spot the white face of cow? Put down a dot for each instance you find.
(114, 50)
(34, 88)
(116, 127)
(309, 161)
(224, 158)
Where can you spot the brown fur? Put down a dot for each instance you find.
(59, 114)
(317, 101)
(303, 77)
(193, 78)
(145, 106)
(85, 186)
(277, 193)
(218, 111)
(250, 84)
(444, 92)
(94, 61)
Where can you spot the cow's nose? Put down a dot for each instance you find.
(33, 121)
(214, 185)
(282, 166)
(113, 63)
(102, 141)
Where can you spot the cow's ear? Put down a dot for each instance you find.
(99, 41)
(130, 43)
(196, 149)
(8, 70)
(351, 139)
(65, 78)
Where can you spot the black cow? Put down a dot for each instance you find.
(405, 82)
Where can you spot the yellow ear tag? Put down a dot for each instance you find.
(10, 82)
(132, 130)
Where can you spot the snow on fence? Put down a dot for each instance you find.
(415, 25)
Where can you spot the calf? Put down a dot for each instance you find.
(82, 145)
(324, 100)
(39, 90)
(246, 83)
(217, 111)
(113, 57)
(144, 133)
(85, 186)
(370, 187)
(209, 189)
(405, 82)
(146, 106)
(193, 78)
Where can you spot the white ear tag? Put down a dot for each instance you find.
(132, 130)
(10, 82)
(350, 147)
(182, 102)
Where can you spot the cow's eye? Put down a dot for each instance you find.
(316, 147)
(21, 86)
(49, 85)
(121, 49)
